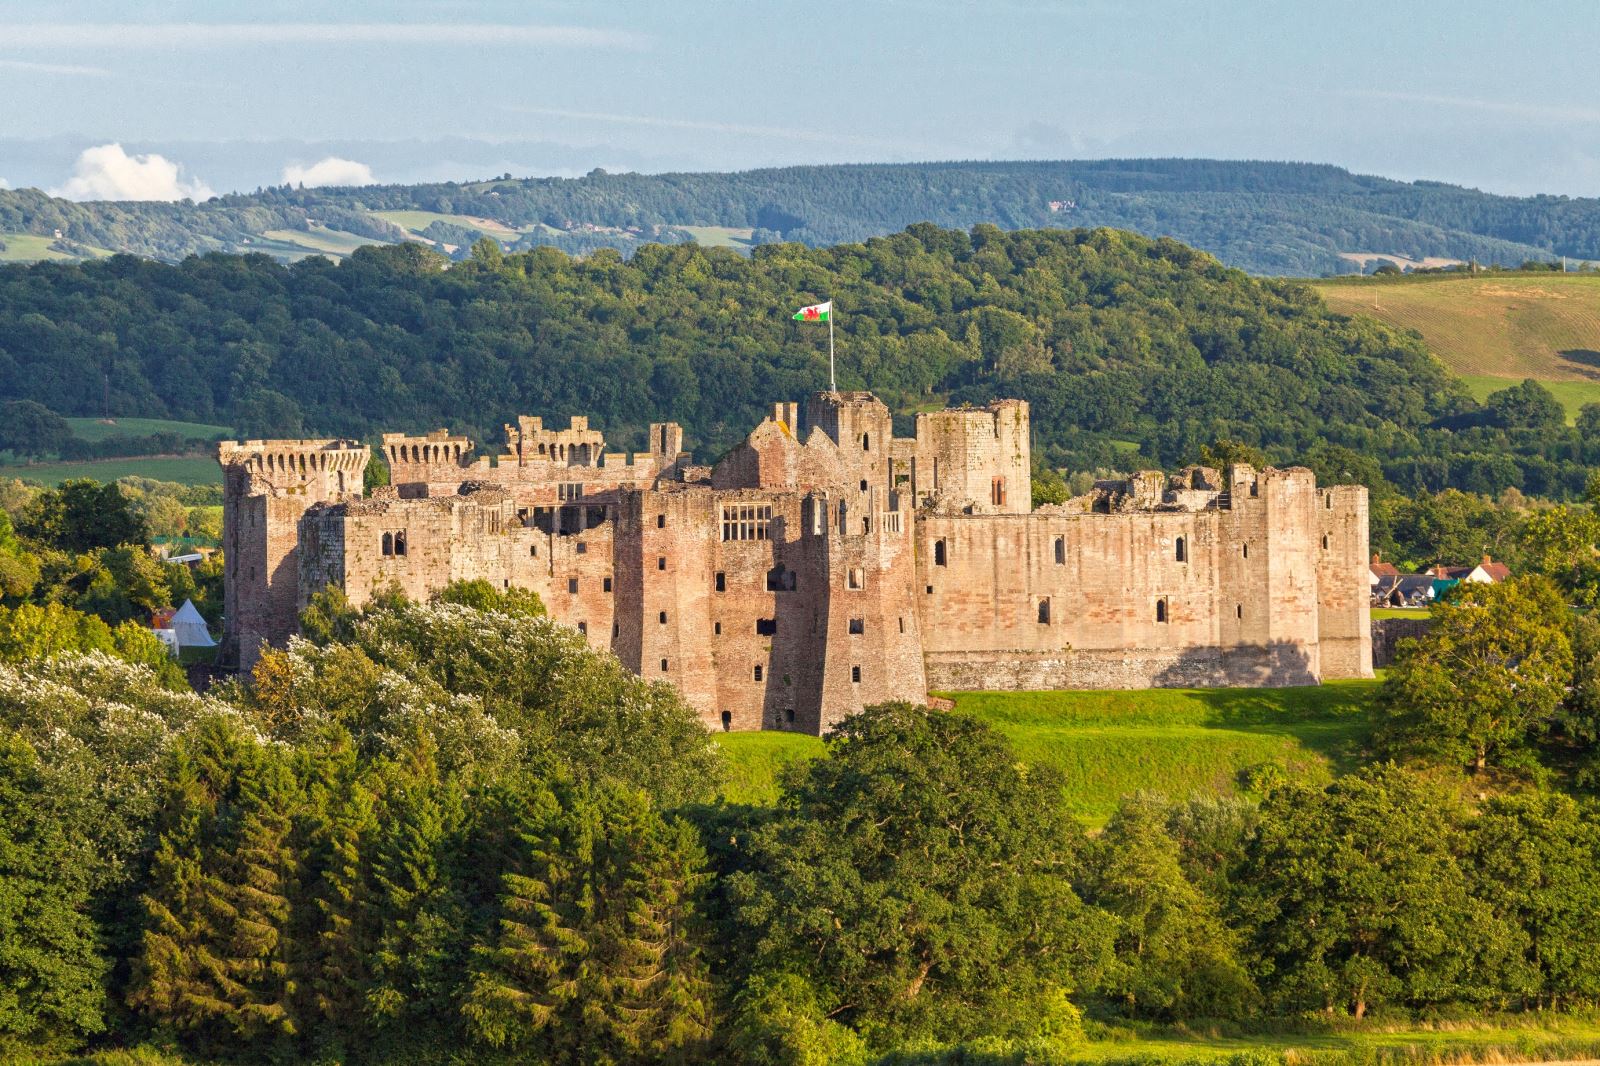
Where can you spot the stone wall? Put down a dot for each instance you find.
(1387, 633)
(823, 565)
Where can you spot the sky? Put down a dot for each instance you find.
(169, 98)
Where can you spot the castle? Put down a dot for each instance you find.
(823, 564)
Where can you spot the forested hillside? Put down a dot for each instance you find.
(1268, 218)
(1131, 351)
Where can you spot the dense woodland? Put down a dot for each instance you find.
(1268, 218)
(451, 833)
(1131, 351)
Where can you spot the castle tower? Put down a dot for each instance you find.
(267, 486)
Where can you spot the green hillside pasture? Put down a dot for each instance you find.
(30, 247)
(721, 236)
(320, 240)
(93, 429)
(183, 469)
(1572, 394)
(1504, 326)
(417, 221)
(1180, 742)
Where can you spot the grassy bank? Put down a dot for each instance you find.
(184, 469)
(1182, 742)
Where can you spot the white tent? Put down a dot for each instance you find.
(191, 628)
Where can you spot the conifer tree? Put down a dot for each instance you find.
(214, 959)
(415, 897)
(652, 990)
(527, 978)
(334, 922)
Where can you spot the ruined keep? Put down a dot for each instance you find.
(823, 564)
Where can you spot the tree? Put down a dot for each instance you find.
(83, 515)
(920, 881)
(1489, 674)
(1532, 857)
(52, 972)
(1526, 406)
(1174, 956)
(1559, 542)
(31, 430)
(215, 957)
(1049, 487)
(1355, 899)
(594, 952)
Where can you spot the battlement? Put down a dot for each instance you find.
(824, 564)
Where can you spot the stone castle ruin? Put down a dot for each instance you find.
(823, 564)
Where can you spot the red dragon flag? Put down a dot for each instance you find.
(815, 313)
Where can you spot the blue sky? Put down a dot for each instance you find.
(233, 95)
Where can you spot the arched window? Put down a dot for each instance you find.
(1181, 552)
(1061, 551)
(388, 544)
(1044, 611)
(400, 543)
(1324, 542)
(727, 721)
(938, 553)
(866, 442)
(1161, 610)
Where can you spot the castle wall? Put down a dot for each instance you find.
(824, 566)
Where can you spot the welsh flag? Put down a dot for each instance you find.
(815, 313)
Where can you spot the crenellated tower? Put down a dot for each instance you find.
(267, 486)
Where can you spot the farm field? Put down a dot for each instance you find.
(417, 221)
(1181, 742)
(720, 236)
(319, 239)
(184, 469)
(1493, 330)
(28, 247)
(94, 429)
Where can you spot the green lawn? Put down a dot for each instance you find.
(1181, 742)
(94, 429)
(417, 221)
(184, 469)
(1400, 612)
(1498, 1040)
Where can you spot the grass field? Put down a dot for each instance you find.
(1493, 330)
(1181, 742)
(93, 429)
(720, 236)
(28, 247)
(1508, 1039)
(184, 469)
(1572, 394)
(417, 221)
(319, 240)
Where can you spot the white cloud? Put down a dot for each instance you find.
(329, 171)
(4, 184)
(107, 172)
(54, 68)
(231, 34)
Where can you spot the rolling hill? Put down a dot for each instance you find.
(1267, 218)
(1493, 330)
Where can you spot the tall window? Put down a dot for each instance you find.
(997, 491)
(1181, 553)
(1161, 610)
(938, 553)
(569, 490)
(1044, 611)
(1061, 551)
(745, 521)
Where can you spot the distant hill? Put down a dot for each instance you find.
(1133, 352)
(1493, 330)
(1267, 218)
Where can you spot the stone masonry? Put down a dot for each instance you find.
(823, 564)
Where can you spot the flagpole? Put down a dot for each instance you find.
(832, 386)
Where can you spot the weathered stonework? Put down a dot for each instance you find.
(824, 565)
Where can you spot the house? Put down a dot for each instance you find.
(1487, 572)
(1378, 570)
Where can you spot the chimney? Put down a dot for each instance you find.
(1486, 559)
(1377, 557)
